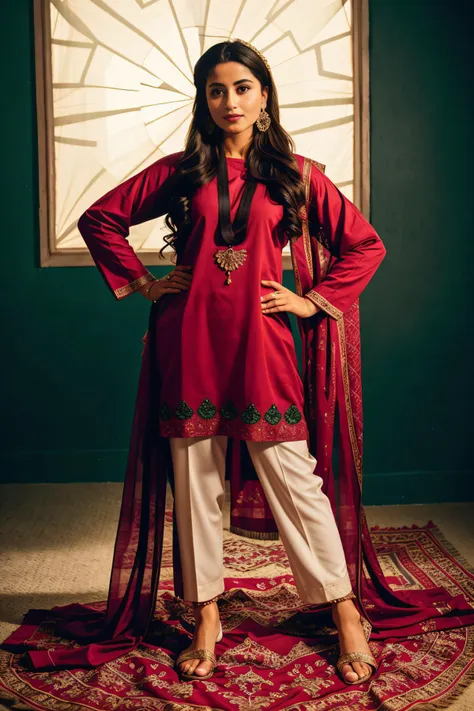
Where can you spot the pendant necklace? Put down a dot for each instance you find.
(229, 259)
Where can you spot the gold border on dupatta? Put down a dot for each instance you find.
(347, 397)
(339, 318)
(306, 236)
(323, 258)
(331, 311)
(307, 164)
(133, 286)
(296, 272)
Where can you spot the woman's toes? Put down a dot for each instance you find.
(202, 669)
(195, 667)
(188, 667)
(354, 671)
(348, 673)
(361, 669)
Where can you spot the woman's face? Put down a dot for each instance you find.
(231, 88)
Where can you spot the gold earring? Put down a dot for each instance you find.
(263, 121)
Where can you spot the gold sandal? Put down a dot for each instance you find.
(363, 657)
(203, 655)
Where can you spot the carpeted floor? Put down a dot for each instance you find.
(57, 542)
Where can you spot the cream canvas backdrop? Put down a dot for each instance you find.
(115, 82)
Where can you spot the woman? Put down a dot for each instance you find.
(219, 368)
(225, 352)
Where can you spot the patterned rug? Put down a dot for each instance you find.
(271, 657)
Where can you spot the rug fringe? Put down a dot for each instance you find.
(272, 536)
(452, 550)
(450, 696)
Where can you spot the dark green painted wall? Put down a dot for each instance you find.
(417, 317)
(71, 353)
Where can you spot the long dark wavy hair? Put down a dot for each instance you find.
(269, 159)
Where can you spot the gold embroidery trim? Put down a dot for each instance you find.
(324, 304)
(347, 398)
(296, 272)
(306, 236)
(305, 225)
(133, 286)
(320, 166)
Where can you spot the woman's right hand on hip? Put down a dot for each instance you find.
(179, 279)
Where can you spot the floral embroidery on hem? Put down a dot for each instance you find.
(207, 410)
(207, 420)
(183, 411)
(293, 415)
(251, 415)
(273, 415)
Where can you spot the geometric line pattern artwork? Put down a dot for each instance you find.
(122, 91)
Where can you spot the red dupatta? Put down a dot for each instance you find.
(331, 359)
(332, 383)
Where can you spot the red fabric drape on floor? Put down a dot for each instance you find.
(333, 405)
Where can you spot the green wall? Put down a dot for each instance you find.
(71, 353)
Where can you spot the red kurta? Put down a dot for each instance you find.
(225, 368)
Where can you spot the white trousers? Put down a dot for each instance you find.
(302, 513)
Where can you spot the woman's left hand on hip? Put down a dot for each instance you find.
(282, 299)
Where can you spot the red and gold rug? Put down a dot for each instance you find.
(271, 657)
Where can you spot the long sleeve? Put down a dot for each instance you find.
(105, 225)
(350, 239)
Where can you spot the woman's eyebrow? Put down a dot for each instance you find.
(218, 83)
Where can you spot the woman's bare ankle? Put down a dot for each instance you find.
(345, 612)
(206, 612)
